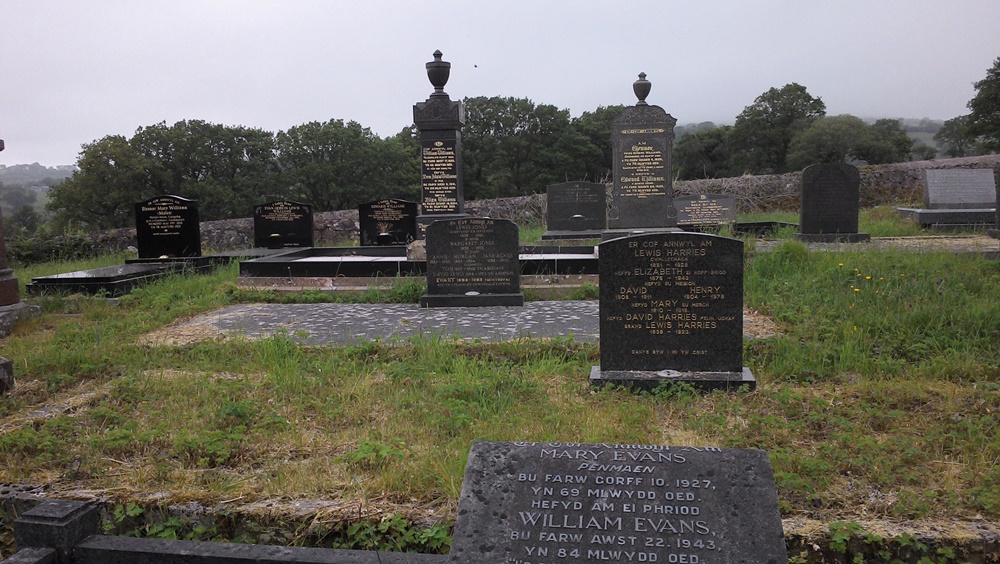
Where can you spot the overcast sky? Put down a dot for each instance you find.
(74, 71)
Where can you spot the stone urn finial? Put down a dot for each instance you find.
(438, 72)
(641, 88)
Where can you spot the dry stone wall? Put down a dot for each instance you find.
(899, 184)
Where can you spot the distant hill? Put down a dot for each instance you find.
(34, 174)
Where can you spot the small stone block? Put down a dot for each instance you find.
(648, 380)
(6, 375)
(57, 524)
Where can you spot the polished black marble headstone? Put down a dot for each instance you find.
(576, 207)
(671, 309)
(705, 210)
(473, 262)
(830, 201)
(167, 227)
(387, 222)
(642, 140)
(281, 224)
(556, 502)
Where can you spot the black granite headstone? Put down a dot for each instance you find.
(473, 262)
(705, 210)
(671, 309)
(281, 224)
(168, 226)
(439, 121)
(538, 503)
(576, 206)
(829, 211)
(387, 222)
(642, 141)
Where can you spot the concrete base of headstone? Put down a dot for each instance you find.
(833, 237)
(610, 234)
(970, 217)
(471, 300)
(6, 375)
(10, 315)
(648, 380)
(570, 235)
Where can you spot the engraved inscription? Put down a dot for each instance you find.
(643, 170)
(469, 255)
(439, 177)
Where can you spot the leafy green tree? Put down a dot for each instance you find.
(883, 142)
(984, 119)
(956, 138)
(513, 147)
(594, 154)
(111, 177)
(336, 166)
(923, 152)
(703, 153)
(829, 139)
(22, 223)
(763, 132)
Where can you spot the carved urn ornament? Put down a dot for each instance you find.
(438, 72)
(641, 88)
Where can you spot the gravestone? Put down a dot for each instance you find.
(956, 198)
(472, 262)
(440, 121)
(705, 210)
(575, 210)
(167, 227)
(995, 231)
(387, 222)
(10, 293)
(281, 224)
(552, 502)
(671, 309)
(642, 140)
(829, 209)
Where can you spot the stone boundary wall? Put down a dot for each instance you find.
(899, 184)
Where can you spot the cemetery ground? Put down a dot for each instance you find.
(878, 402)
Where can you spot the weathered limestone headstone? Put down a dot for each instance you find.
(551, 502)
(575, 210)
(473, 262)
(642, 141)
(440, 121)
(281, 224)
(705, 210)
(671, 309)
(387, 222)
(167, 227)
(830, 201)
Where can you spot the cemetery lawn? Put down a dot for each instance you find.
(879, 398)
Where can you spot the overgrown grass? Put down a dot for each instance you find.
(880, 397)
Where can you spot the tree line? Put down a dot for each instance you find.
(511, 146)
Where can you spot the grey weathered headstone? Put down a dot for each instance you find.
(552, 502)
(705, 210)
(671, 309)
(575, 210)
(6, 375)
(642, 140)
(281, 224)
(955, 198)
(439, 120)
(9, 290)
(387, 222)
(167, 226)
(830, 202)
(473, 262)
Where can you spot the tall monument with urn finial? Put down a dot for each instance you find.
(439, 120)
(642, 142)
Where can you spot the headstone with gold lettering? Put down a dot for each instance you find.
(671, 309)
(439, 120)
(705, 210)
(642, 141)
(281, 224)
(557, 502)
(575, 210)
(387, 222)
(167, 227)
